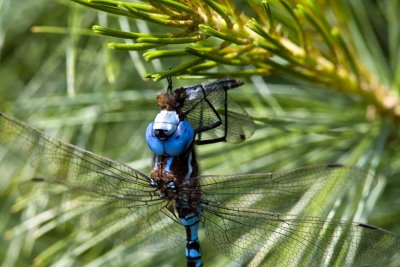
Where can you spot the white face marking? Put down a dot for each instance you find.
(166, 123)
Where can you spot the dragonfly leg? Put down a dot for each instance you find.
(190, 220)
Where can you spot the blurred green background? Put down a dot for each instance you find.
(57, 76)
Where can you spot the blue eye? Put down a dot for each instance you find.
(171, 129)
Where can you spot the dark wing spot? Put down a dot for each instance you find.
(368, 226)
(334, 165)
(38, 179)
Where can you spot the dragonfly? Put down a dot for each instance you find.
(263, 219)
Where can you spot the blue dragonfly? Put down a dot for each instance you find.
(261, 219)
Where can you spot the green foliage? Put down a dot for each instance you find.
(290, 38)
(322, 84)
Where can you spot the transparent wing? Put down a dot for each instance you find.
(153, 227)
(256, 238)
(115, 195)
(255, 219)
(288, 191)
(214, 116)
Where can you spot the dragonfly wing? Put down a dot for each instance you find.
(213, 115)
(117, 199)
(256, 238)
(74, 167)
(153, 228)
(298, 191)
(277, 217)
(240, 125)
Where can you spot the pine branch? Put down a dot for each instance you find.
(288, 38)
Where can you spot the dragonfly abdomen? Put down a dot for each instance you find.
(191, 223)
